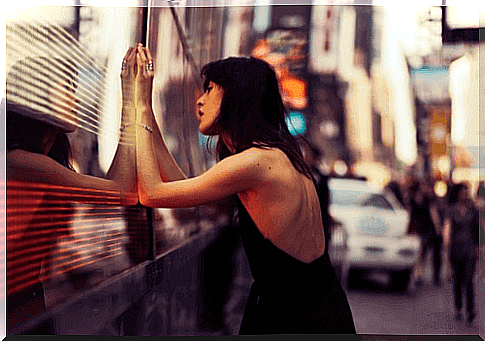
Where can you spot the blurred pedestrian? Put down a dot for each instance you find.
(425, 221)
(480, 203)
(439, 209)
(461, 234)
(395, 188)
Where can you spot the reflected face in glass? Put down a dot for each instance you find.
(208, 107)
(64, 104)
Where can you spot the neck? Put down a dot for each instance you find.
(48, 141)
(228, 143)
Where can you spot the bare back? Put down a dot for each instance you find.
(285, 207)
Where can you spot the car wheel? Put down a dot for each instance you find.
(400, 280)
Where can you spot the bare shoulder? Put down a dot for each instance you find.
(16, 157)
(251, 159)
(266, 161)
(19, 157)
(26, 166)
(263, 155)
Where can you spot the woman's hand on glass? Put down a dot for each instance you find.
(144, 79)
(128, 77)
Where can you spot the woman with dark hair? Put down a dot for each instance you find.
(461, 235)
(480, 204)
(295, 289)
(425, 221)
(41, 181)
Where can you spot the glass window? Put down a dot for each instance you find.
(181, 42)
(345, 197)
(377, 201)
(63, 102)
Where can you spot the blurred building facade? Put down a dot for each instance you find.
(352, 98)
(446, 89)
(333, 67)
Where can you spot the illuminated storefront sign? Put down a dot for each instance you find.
(285, 50)
(296, 123)
(431, 83)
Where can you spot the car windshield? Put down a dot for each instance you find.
(345, 197)
(377, 201)
(352, 198)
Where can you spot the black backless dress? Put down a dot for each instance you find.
(289, 296)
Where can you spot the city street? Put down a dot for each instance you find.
(351, 118)
(426, 310)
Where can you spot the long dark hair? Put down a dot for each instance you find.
(26, 134)
(23, 130)
(455, 192)
(252, 113)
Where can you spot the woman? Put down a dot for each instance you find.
(425, 219)
(461, 235)
(41, 179)
(295, 289)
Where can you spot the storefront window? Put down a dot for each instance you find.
(63, 80)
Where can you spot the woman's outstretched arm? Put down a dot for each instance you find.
(230, 176)
(157, 185)
(168, 168)
(27, 167)
(123, 167)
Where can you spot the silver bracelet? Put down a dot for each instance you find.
(124, 125)
(147, 128)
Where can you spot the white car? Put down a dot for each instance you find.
(370, 232)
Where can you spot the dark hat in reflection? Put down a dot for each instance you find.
(43, 88)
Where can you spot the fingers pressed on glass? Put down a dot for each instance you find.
(143, 57)
(140, 65)
(149, 55)
(128, 61)
(132, 59)
(132, 53)
(141, 51)
(130, 49)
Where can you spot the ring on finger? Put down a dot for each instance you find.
(149, 66)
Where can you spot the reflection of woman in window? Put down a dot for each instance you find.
(295, 288)
(40, 179)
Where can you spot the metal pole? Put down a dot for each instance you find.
(77, 19)
(149, 211)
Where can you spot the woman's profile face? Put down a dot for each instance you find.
(208, 107)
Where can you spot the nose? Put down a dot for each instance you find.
(200, 101)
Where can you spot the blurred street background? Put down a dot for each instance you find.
(379, 310)
(387, 95)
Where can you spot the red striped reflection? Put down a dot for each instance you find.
(24, 185)
(45, 250)
(26, 270)
(52, 230)
(54, 226)
(16, 287)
